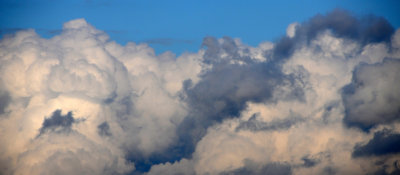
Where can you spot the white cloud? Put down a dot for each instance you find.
(324, 67)
(139, 99)
(291, 30)
(81, 71)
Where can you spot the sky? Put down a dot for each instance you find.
(199, 88)
(180, 26)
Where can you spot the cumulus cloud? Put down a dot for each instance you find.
(369, 29)
(322, 100)
(383, 143)
(301, 120)
(373, 98)
(107, 90)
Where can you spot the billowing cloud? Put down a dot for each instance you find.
(224, 89)
(322, 100)
(373, 98)
(383, 143)
(112, 100)
(369, 29)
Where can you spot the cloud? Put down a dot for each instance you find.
(69, 153)
(383, 143)
(104, 129)
(309, 162)
(317, 101)
(4, 101)
(254, 125)
(233, 79)
(111, 87)
(372, 99)
(57, 122)
(369, 29)
(271, 168)
(300, 119)
(184, 166)
(290, 31)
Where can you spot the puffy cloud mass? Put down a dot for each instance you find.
(324, 99)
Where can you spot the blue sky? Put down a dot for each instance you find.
(180, 26)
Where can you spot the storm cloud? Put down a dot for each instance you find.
(368, 29)
(57, 121)
(225, 89)
(383, 143)
(324, 99)
(373, 97)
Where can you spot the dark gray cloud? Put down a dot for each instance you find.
(383, 171)
(309, 162)
(235, 79)
(104, 129)
(329, 170)
(372, 98)
(341, 23)
(383, 143)
(275, 168)
(328, 110)
(215, 49)
(5, 99)
(224, 90)
(57, 122)
(221, 93)
(255, 125)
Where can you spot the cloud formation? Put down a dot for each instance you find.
(322, 100)
(372, 97)
(57, 122)
(383, 143)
